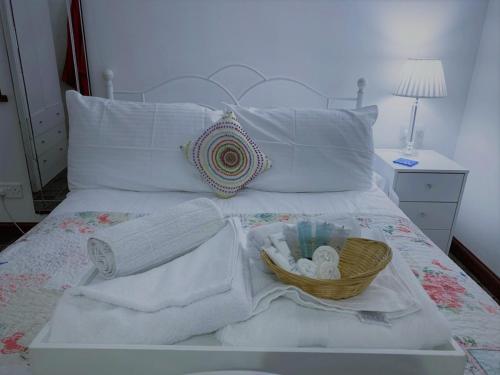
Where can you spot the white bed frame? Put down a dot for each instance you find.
(205, 353)
(261, 80)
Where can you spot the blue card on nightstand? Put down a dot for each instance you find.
(407, 162)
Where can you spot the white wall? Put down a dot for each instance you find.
(327, 43)
(478, 148)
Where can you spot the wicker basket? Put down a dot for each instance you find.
(360, 261)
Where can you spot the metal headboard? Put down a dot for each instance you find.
(261, 80)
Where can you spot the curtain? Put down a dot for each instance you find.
(68, 75)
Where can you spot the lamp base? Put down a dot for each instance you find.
(410, 149)
(410, 143)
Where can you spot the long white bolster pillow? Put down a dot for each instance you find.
(150, 241)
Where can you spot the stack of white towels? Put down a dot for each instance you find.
(393, 312)
(165, 278)
(197, 284)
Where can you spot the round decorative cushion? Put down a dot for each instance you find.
(226, 157)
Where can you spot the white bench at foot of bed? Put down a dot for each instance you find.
(204, 353)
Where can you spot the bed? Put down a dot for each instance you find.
(52, 257)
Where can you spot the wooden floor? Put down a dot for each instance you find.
(51, 194)
(7, 238)
(3, 245)
(44, 201)
(472, 276)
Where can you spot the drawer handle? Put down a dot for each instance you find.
(59, 131)
(60, 149)
(45, 160)
(428, 186)
(422, 214)
(42, 141)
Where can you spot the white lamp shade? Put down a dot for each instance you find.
(422, 78)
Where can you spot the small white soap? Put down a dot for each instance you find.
(325, 254)
(328, 271)
(306, 267)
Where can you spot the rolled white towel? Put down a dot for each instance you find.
(325, 254)
(307, 267)
(328, 271)
(150, 241)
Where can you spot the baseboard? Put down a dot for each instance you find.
(481, 271)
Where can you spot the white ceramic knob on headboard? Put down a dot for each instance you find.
(108, 79)
(361, 88)
(361, 83)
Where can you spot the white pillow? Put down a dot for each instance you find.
(312, 150)
(132, 146)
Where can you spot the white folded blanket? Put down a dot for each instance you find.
(147, 242)
(194, 294)
(388, 293)
(297, 321)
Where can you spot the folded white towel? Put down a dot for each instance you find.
(388, 293)
(289, 324)
(197, 293)
(205, 271)
(150, 241)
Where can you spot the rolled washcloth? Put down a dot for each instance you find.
(150, 241)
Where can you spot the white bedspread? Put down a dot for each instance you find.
(156, 307)
(51, 258)
(249, 201)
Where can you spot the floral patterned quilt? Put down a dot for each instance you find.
(36, 269)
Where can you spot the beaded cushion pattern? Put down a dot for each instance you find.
(226, 157)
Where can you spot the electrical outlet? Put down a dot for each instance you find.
(11, 189)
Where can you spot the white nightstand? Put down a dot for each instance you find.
(429, 192)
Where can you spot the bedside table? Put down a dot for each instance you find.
(429, 192)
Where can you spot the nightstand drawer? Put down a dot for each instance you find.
(428, 215)
(434, 187)
(439, 236)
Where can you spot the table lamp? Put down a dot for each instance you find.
(420, 78)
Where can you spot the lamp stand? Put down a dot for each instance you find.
(410, 143)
